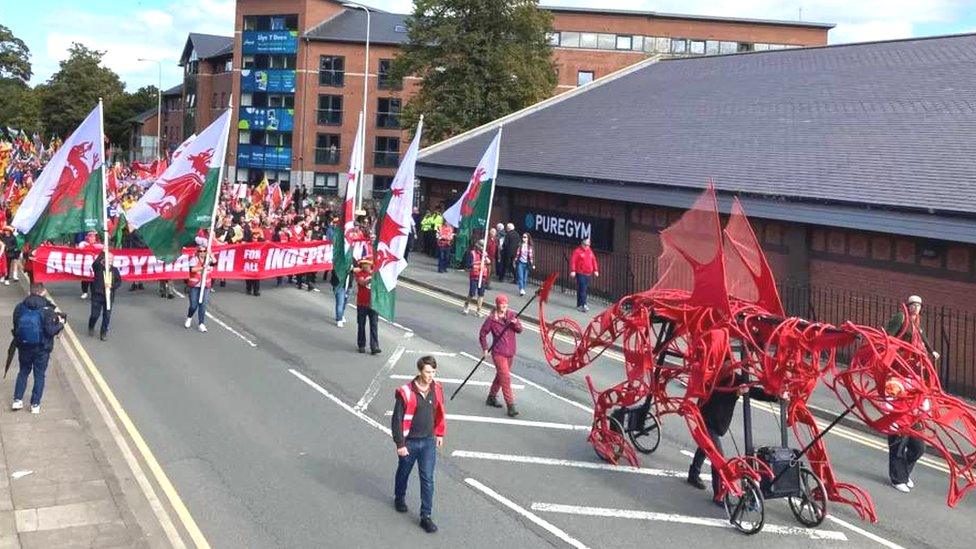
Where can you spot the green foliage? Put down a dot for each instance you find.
(74, 90)
(14, 57)
(122, 108)
(478, 60)
(20, 105)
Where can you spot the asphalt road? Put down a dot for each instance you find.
(271, 427)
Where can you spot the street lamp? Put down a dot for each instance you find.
(159, 105)
(359, 193)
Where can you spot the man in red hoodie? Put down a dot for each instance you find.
(582, 267)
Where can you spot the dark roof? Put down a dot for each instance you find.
(206, 46)
(350, 26)
(890, 126)
(175, 90)
(143, 116)
(660, 15)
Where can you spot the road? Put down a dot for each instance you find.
(274, 432)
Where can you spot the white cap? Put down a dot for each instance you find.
(914, 299)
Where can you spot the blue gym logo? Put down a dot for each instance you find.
(529, 221)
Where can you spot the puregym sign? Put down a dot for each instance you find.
(569, 228)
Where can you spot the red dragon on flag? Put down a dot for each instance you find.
(68, 193)
(181, 192)
(471, 197)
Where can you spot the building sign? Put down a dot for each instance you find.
(272, 81)
(259, 156)
(565, 227)
(282, 41)
(262, 119)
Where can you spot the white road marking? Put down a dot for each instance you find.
(683, 519)
(372, 422)
(222, 323)
(534, 460)
(865, 533)
(431, 353)
(691, 454)
(508, 421)
(373, 388)
(533, 384)
(21, 474)
(539, 521)
(458, 381)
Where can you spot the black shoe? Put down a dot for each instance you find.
(697, 482)
(103, 336)
(91, 331)
(375, 351)
(362, 350)
(718, 503)
(400, 506)
(223, 283)
(170, 296)
(493, 402)
(428, 525)
(133, 288)
(257, 294)
(512, 412)
(248, 292)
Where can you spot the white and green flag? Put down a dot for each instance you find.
(393, 231)
(470, 213)
(67, 197)
(342, 248)
(182, 200)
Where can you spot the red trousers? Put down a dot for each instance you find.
(503, 378)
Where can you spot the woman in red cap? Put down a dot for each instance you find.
(502, 324)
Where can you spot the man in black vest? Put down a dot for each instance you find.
(99, 303)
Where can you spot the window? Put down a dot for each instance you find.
(325, 183)
(387, 152)
(250, 22)
(191, 100)
(281, 61)
(244, 137)
(662, 44)
(241, 175)
(277, 139)
(711, 47)
(381, 185)
(383, 79)
(760, 47)
(745, 46)
(679, 45)
(400, 28)
(247, 100)
(388, 113)
(193, 67)
(327, 148)
(584, 77)
(696, 47)
(247, 62)
(330, 110)
(286, 101)
(637, 43)
(553, 38)
(569, 39)
(624, 42)
(607, 42)
(728, 47)
(228, 65)
(332, 70)
(588, 40)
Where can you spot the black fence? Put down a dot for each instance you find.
(951, 332)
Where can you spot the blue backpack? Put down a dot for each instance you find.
(30, 327)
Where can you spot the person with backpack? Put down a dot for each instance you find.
(100, 306)
(36, 322)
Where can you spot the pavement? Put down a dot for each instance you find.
(273, 432)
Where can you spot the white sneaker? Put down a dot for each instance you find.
(910, 483)
(902, 488)
(340, 323)
(16, 278)
(521, 292)
(6, 283)
(17, 405)
(188, 322)
(35, 408)
(464, 311)
(202, 328)
(84, 295)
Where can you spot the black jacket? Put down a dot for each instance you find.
(98, 284)
(511, 244)
(720, 407)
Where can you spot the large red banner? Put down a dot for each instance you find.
(234, 261)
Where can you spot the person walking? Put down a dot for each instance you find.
(445, 238)
(419, 425)
(524, 261)
(903, 450)
(194, 284)
(508, 251)
(12, 252)
(36, 322)
(491, 250)
(476, 277)
(99, 304)
(583, 266)
(499, 249)
(341, 294)
(253, 233)
(364, 308)
(89, 243)
(503, 325)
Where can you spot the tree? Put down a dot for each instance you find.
(14, 57)
(74, 90)
(478, 60)
(19, 107)
(122, 108)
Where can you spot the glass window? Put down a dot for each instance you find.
(327, 149)
(776, 46)
(745, 46)
(584, 77)
(569, 39)
(229, 65)
(279, 101)
(250, 22)
(383, 79)
(244, 136)
(332, 70)
(638, 43)
(388, 113)
(247, 62)
(608, 42)
(625, 42)
(553, 38)
(241, 175)
(697, 47)
(760, 47)
(381, 184)
(330, 110)
(728, 47)
(277, 139)
(325, 183)
(679, 45)
(281, 62)
(278, 22)
(387, 152)
(662, 44)
(711, 47)
(589, 40)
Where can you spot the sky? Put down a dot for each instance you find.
(128, 30)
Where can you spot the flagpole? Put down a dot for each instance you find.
(213, 213)
(491, 199)
(107, 273)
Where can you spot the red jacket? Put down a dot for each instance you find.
(363, 297)
(505, 345)
(583, 261)
(476, 265)
(410, 406)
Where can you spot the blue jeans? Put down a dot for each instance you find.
(31, 359)
(443, 258)
(424, 451)
(521, 274)
(195, 306)
(582, 284)
(340, 301)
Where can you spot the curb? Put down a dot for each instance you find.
(821, 413)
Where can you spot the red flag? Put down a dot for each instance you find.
(277, 197)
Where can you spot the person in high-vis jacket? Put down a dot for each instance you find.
(419, 424)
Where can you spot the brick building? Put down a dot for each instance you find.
(172, 118)
(143, 136)
(207, 79)
(298, 70)
(854, 163)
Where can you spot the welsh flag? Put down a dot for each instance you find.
(393, 229)
(342, 248)
(67, 197)
(183, 199)
(471, 212)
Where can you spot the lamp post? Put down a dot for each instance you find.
(159, 106)
(359, 191)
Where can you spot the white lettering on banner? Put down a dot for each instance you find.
(225, 260)
(275, 259)
(138, 262)
(55, 263)
(182, 263)
(73, 263)
(252, 254)
(120, 262)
